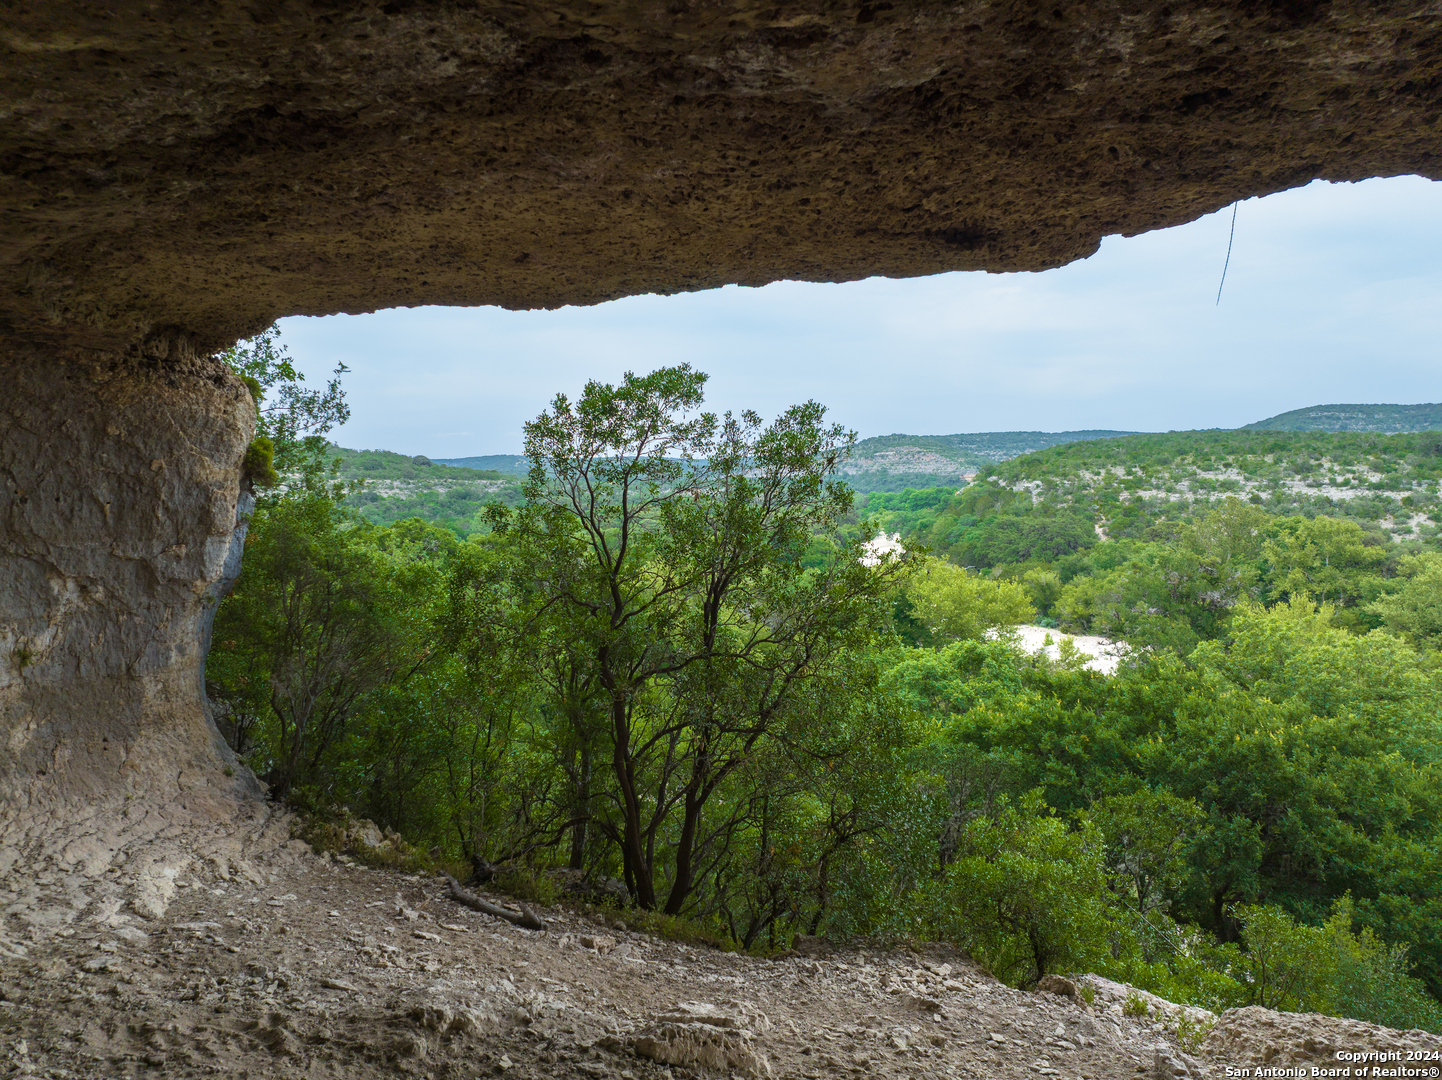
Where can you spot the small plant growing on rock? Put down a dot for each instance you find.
(259, 464)
(1134, 1005)
(1192, 1034)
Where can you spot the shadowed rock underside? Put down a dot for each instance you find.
(181, 173)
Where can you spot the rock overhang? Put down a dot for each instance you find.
(177, 175)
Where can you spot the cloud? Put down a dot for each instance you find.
(1332, 295)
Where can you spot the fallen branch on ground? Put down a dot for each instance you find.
(525, 918)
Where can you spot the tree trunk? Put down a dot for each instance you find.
(583, 804)
(685, 853)
(637, 869)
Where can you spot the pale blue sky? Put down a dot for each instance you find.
(1334, 295)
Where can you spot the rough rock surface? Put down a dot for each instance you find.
(1255, 1037)
(182, 173)
(118, 491)
(308, 966)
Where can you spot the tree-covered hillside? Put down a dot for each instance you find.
(447, 491)
(894, 462)
(1124, 487)
(377, 465)
(1384, 418)
(395, 487)
(1155, 538)
(511, 464)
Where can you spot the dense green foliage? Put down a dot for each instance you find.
(646, 670)
(682, 660)
(1306, 759)
(460, 509)
(1196, 520)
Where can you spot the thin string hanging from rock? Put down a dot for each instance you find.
(1228, 263)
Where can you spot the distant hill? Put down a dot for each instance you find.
(401, 486)
(1124, 482)
(406, 468)
(1002, 445)
(890, 462)
(513, 464)
(1140, 487)
(1390, 419)
(894, 462)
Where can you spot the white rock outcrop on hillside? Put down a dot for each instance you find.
(1102, 654)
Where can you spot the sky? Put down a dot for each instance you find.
(1333, 294)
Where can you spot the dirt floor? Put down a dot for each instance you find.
(314, 967)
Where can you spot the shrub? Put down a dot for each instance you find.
(1024, 894)
(1331, 969)
(679, 929)
(530, 884)
(1135, 1005)
(259, 464)
(1192, 1034)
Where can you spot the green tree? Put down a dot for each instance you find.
(1325, 559)
(955, 605)
(319, 619)
(815, 809)
(673, 542)
(292, 420)
(1024, 893)
(1185, 591)
(1044, 586)
(499, 793)
(1415, 609)
(1331, 969)
(1149, 835)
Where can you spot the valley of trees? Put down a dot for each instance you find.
(682, 659)
(386, 487)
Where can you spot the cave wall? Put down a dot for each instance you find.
(176, 174)
(119, 484)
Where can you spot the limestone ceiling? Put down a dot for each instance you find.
(179, 172)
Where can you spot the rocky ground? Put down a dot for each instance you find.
(303, 965)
